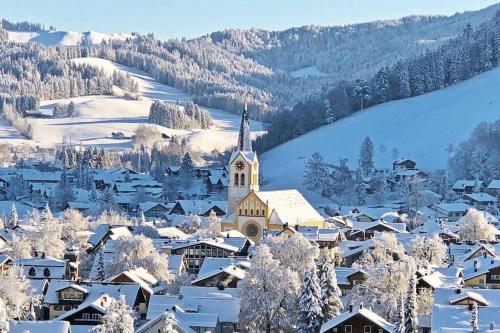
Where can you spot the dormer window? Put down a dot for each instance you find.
(46, 272)
(32, 272)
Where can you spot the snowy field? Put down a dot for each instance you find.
(102, 115)
(68, 38)
(307, 71)
(420, 128)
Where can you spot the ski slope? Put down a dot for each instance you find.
(420, 128)
(66, 38)
(99, 116)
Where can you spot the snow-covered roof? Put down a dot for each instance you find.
(188, 243)
(171, 232)
(52, 326)
(366, 313)
(37, 267)
(138, 275)
(211, 264)
(480, 197)
(437, 279)
(453, 206)
(289, 207)
(249, 156)
(343, 274)
(231, 270)
(463, 183)
(494, 184)
(146, 206)
(179, 325)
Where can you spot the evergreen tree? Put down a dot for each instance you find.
(360, 188)
(13, 219)
(361, 93)
(47, 216)
(410, 310)
(101, 269)
(187, 164)
(382, 86)
(474, 322)
(365, 161)
(316, 172)
(330, 292)
(310, 303)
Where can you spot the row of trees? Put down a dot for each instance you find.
(177, 117)
(91, 157)
(458, 59)
(64, 110)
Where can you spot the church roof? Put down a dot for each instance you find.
(249, 156)
(288, 206)
(244, 140)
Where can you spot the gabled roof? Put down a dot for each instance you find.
(367, 314)
(463, 183)
(231, 270)
(289, 207)
(480, 197)
(494, 184)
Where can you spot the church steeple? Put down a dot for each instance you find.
(244, 140)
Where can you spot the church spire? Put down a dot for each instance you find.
(244, 140)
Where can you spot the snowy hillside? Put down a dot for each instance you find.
(68, 38)
(102, 115)
(420, 128)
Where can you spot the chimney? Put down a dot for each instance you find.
(470, 307)
(492, 326)
(485, 255)
(43, 255)
(492, 261)
(360, 305)
(350, 307)
(475, 264)
(36, 254)
(458, 291)
(296, 227)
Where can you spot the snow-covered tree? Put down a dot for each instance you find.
(411, 307)
(169, 323)
(361, 93)
(294, 252)
(310, 302)
(330, 292)
(474, 227)
(210, 227)
(73, 223)
(399, 324)
(425, 301)
(47, 216)
(268, 294)
(13, 219)
(118, 319)
(17, 293)
(108, 199)
(20, 248)
(49, 239)
(360, 187)
(138, 251)
(101, 269)
(428, 251)
(187, 164)
(474, 321)
(316, 172)
(365, 160)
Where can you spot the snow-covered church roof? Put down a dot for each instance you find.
(288, 206)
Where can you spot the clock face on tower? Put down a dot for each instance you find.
(240, 165)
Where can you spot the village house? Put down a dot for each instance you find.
(348, 278)
(463, 186)
(479, 200)
(493, 188)
(450, 211)
(357, 319)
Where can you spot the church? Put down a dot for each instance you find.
(253, 212)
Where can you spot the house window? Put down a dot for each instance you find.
(495, 277)
(57, 308)
(348, 328)
(367, 329)
(32, 272)
(46, 272)
(380, 330)
(335, 329)
(242, 179)
(85, 315)
(96, 316)
(236, 179)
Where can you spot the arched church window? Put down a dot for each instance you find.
(251, 211)
(263, 213)
(236, 179)
(242, 179)
(246, 211)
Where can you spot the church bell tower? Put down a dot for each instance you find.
(243, 166)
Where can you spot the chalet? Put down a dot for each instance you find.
(34, 176)
(103, 232)
(450, 211)
(403, 164)
(157, 324)
(5, 263)
(410, 176)
(449, 277)
(222, 277)
(482, 272)
(452, 309)
(45, 267)
(152, 209)
(173, 170)
(348, 278)
(357, 319)
(463, 186)
(479, 200)
(196, 252)
(493, 188)
(217, 184)
(366, 230)
(352, 250)
(69, 296)
(462, 252)
(199, 207)
(149, 284)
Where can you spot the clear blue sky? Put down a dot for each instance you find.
(192, 18)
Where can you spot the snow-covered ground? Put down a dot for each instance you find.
(307, 71)
(420, 128)
(68, 38)
(102, 115)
